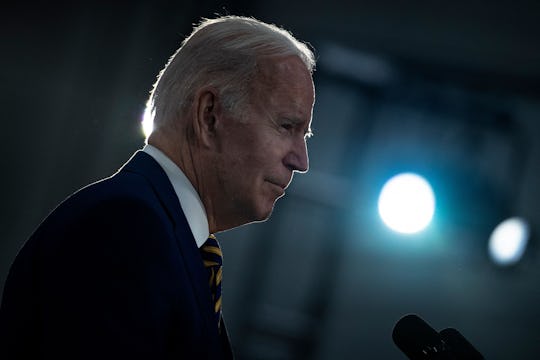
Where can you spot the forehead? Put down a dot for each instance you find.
(285, 85)
(283, 71)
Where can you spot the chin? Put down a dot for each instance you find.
(262, 210)
(263, 214)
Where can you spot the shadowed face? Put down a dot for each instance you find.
(262, 149)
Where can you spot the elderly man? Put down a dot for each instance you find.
(129, 267)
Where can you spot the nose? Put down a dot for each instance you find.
(297, 158)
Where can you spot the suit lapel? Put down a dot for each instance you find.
(225, 342)
(146, 166)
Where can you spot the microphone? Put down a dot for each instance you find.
(461, 347)
(419, 341)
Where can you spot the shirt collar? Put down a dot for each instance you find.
(187, 195)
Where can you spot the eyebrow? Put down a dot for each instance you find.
(296, 121)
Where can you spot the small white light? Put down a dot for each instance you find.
(407, 203)
(508, 241)
(147, 123)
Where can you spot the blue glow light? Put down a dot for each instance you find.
(407, 203)
(508, 241)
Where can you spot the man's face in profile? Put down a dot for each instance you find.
(263, 148)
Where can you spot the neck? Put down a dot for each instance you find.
(191, 160)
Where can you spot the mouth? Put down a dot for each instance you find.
(282, 186)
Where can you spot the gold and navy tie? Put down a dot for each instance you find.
(212, 259)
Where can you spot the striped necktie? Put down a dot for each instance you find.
(212, 259)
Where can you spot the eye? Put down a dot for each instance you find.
(287, 126)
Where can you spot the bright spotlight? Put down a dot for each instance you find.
(508, 241)
(407, 203)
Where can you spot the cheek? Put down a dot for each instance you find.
(251, 158)
(241, 173)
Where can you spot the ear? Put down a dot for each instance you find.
(207, 112)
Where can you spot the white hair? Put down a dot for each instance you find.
(224, 53)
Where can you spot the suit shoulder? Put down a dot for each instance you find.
(122, 189)
(121, 200)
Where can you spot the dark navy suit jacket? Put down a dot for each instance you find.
(112, 272)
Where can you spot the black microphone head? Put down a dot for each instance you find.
(460, 347)
(416, 338)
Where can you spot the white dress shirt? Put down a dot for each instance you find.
(187, 195)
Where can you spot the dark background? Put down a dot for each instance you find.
(447, 89)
